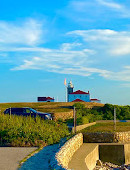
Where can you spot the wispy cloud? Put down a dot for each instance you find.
(74, 68)
(120, 8)
(89, 54)
(86, 11)
(110, 4)
(66, 56)
(75, 58)
(27, 33)
(116, 43)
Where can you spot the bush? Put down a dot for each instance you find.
(85, 120)
(27, 131)
(122, 112)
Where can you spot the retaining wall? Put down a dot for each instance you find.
(63, 115)
(92, 158)
(66, 152)
(80, 127)
(113, 153)
(103, 137)
(127, 153)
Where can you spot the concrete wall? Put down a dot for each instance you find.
(127, 153)
(66, 152)
(92, 158)
(107, 152)
(113, 153)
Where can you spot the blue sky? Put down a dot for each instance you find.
(44, 42)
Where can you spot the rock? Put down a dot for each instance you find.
(99, 163)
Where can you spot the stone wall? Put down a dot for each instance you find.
(122, 137)
(63, 115)
(68, 149)
(103, 137)
(80, 127)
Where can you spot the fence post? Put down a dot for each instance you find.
(10, 112)
(74, 120)
(114, 119)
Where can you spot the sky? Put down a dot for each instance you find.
(44, 42)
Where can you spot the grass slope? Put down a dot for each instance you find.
(108, 127)
(51, 107)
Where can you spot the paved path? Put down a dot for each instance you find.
(78, 160)
(11, 156)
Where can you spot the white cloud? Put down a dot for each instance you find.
(114, 42)
(27, 33)
(64, 57)
(95, 11)
(75, 58)
(84, 57)
(69, 46)
(122, 9)
(24, 49)
(110, 4)
(123, 75)
(58, 65)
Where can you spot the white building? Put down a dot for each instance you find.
(78, 96)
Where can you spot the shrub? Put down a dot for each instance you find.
(27, 131)
(85, 120)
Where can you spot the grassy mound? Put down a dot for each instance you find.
(108, 127)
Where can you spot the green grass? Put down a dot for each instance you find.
(108, 127)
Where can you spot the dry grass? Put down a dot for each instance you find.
(109, 127)
(51, 107)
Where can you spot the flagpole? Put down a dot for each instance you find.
(66, 93)
(65, 90)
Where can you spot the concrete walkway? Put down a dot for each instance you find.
(11, 156)
(78, 160)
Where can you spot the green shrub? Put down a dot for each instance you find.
(27, 131)
(85, 120)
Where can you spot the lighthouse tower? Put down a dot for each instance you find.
(69, 89)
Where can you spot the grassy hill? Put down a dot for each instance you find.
(49, 106)
(58, 109)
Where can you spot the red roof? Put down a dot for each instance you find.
(79, 92)
(44, 98)
(77, 100)
(49, 98)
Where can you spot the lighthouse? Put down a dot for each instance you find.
(69, 89)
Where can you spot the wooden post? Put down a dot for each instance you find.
(10, 112)
(114, 119)
(74, 120)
